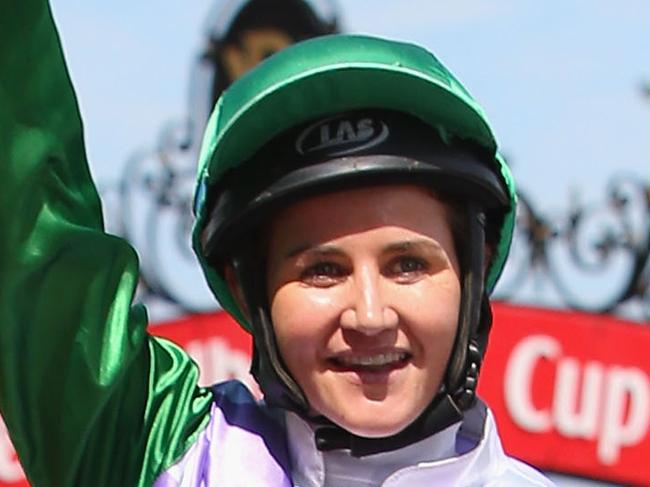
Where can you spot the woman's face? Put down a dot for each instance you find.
(365, 292)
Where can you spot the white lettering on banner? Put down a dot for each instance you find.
(624, 384)
(620, 394)
(10, 470)
(518, 386)
(576, 415)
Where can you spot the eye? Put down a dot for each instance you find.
(407, 268)
(323, 274)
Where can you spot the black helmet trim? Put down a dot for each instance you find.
(409, 152)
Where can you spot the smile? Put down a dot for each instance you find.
(378, 360)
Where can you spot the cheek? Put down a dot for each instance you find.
(431, 307)
(303, 320)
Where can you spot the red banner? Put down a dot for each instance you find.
(570, 391)
(10, 472)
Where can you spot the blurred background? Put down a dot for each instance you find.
(566, 86)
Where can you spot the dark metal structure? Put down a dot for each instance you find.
(591, 257)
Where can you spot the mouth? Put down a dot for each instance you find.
(370, 362)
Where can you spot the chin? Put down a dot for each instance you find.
(374, 431)
(371, 410)
(373, 422)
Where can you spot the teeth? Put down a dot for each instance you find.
(374, 360)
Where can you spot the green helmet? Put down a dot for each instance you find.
(276, 106)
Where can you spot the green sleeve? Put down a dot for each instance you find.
(89, 398)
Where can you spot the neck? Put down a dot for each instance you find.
(314, 467)
(439, 415)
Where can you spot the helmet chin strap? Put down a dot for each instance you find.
(267, 366)
(457, 392)
(461, 378)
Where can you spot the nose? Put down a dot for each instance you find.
(368, 312)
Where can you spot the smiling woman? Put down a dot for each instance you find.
(332, 181)
(365, 311)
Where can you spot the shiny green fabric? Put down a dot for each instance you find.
(89, 398)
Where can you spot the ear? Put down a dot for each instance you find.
(236, 290)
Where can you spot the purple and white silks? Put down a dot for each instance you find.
(242, 445)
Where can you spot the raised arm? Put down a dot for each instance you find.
(88, 397)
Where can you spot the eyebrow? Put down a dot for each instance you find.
(322, 250)
(415, 244)
(402, 246)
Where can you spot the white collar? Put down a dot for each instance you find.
(313, 468)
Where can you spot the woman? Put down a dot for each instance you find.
(352, 214)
